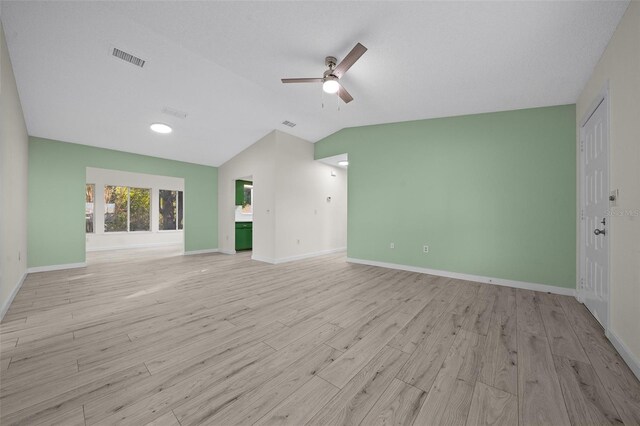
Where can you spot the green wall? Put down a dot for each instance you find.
(56, 197)
(491, 194)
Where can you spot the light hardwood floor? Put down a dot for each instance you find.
(162, 339)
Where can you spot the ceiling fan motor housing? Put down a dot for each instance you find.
(330, 61)
(329, 76)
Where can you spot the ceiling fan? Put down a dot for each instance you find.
(334, 73)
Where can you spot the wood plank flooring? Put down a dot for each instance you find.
(152, 337)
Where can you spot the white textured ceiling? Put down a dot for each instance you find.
(221, 62)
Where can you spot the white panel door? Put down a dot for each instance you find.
(595, 205)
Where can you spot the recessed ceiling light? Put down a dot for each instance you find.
(161, 128)
(343, 163)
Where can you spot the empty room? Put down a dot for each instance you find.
(319, 213)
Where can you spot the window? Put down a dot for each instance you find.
(180, 214)
(116, 200)
(139, 209)
(170, 209)
(89, 204)
(126, 209)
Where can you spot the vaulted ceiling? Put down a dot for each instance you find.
(221, 64)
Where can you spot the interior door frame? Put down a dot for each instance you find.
(601, 99)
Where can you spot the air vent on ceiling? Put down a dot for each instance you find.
(289, 123)
(128, 57)
(174, 112)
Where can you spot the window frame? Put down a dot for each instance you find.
(177, 210)
(93, 215)
(129, 209)
(128, 230)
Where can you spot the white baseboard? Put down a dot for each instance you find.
(632, 361)
(205, 251)
(56, 267)
(225, 251)
(263, 259)
(7, 303)
(308, 255)
(297, 257)
(478, 278)
(133, 246)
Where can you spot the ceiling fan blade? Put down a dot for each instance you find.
(349, 60)
(344, 95)
(302, 80)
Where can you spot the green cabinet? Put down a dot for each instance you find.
(243, 196)
(244, 235)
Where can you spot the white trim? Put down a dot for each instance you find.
(487, 280)
(225, 251)
(12, 296)
(601, 96)
(625, 353)
(263, 259)
(308, 255)
(133, 246)
(56, 267)
(297, 257)
(205, 251)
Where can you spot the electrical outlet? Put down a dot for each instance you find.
(392, 245)
(425, 249)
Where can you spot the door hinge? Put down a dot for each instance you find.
(582, 145)
(581, 282)
(581, 214)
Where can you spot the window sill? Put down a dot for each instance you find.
(161, 231)
(121, 232)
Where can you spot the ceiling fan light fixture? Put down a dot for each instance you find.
(331, 85)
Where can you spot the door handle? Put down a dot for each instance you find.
(600, 231)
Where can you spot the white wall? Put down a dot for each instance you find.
(117, 240)
(620, 67)
(14, 158)
(290, 200)
(306, 222)
(257, 163)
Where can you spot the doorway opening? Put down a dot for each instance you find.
(243, 195)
